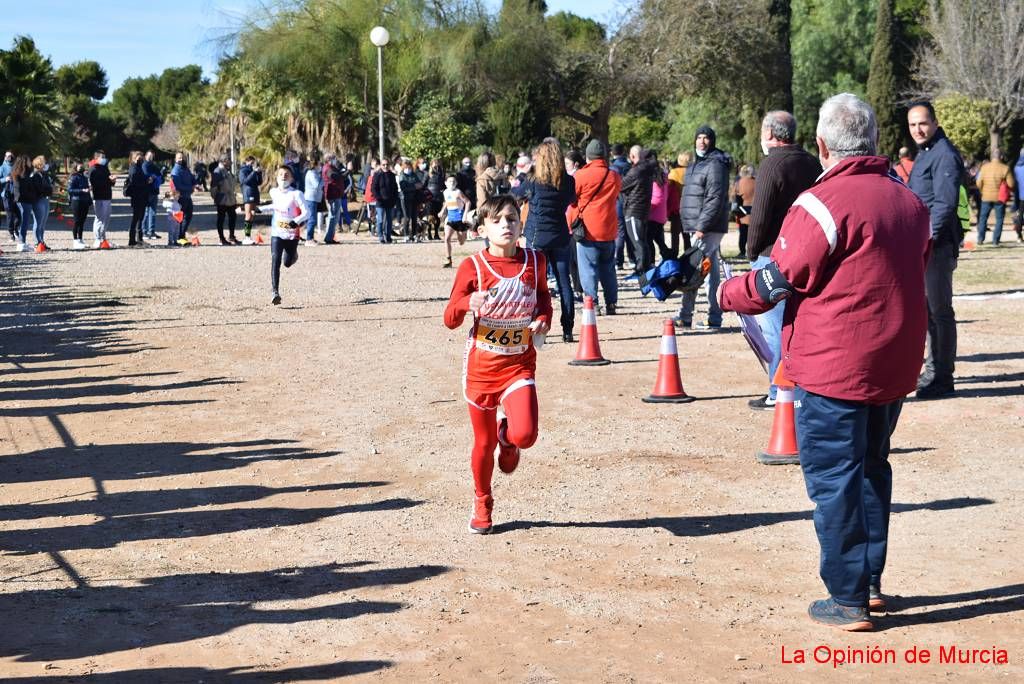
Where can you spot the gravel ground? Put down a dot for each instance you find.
(198, 486)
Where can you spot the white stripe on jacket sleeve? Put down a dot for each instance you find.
(814, 206)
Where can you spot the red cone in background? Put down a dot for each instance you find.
(668, 387)
(588, 353)
(782, 448)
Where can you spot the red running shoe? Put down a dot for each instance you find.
(508, 454)
(480, 523)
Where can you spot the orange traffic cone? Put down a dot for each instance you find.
(782, 448)
(259, 238)
(104, 244)
(195, 240)
(41, 247)
(668, 388)
(588, 353)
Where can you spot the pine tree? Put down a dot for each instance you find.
(882, 81)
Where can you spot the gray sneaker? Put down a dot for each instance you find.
(847, 618)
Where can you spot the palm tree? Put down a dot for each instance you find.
(31, 118)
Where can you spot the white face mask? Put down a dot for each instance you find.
(764, 146)
(450, 185)
(283, 183)
(423, 167)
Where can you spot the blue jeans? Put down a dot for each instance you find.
(983, 213)
(149, 220)
(558, 258)
(384, 217)
(770, 323)
(711, 245)
(345, 218)
(312, 208)
(622, 245)
(596, 262)
(333, 215)
(844, 454)
(38, 212)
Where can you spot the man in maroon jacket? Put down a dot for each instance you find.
(850, 260)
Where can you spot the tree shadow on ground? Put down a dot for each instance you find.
(136, 503)
(69, 623)
(998, 377)
(78, 392)
(994, 601)
(42, 322)
(231, 675)
(994, 356)
(120, 529)
(705, 525)
(133, 461)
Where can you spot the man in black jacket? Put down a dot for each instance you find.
(788, 170)
(385, 191)
(620, 164)
(636, 206)
(101, 185)
(935, 178)
(704, 211)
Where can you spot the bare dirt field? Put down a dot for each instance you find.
(198, 486)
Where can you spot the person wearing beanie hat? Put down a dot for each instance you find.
(705, 213)
(596, 150)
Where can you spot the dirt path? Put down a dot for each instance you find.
(196, 486)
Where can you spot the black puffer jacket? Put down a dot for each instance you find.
(636, 189)
(704, 207)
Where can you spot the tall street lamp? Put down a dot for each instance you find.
(379, 36)
(230, 104)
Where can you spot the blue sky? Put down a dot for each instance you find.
(133, 38)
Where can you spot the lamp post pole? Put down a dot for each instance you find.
(379, 36)
(230, 104)
(380, 97)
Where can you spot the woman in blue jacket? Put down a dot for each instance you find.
(79, 200)
(549, 191)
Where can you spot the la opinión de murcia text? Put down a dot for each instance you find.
(876, 655)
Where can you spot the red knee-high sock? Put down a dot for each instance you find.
(485, 440)
(521, 410)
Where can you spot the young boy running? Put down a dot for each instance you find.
(453, 214)
(290, 215)
(505, 289)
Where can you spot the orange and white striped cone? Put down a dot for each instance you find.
(588, 353)
(668, 387)
(782, 447)
(104, 244)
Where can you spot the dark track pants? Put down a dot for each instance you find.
(844, 453)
